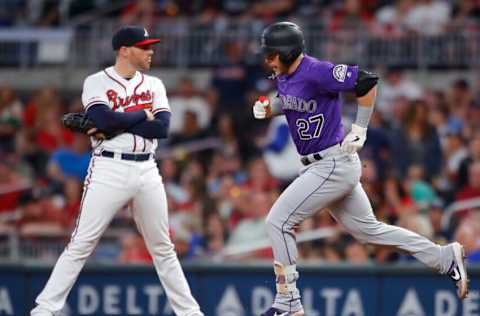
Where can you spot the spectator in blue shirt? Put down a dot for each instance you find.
(70, 161)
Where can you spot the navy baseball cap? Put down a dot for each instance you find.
(132, 36)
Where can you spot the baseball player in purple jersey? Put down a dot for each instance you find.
(309, 96)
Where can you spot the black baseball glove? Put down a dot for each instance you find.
(81, 123)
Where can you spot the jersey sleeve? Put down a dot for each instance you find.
(93, 93)
(160, 100)
(333, 78)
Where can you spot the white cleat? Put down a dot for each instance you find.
(39, 311)
(458, 272)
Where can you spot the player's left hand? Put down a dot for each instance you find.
(150, 116)
(81, 123)
(354, 140)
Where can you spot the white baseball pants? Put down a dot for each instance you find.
(109, 185)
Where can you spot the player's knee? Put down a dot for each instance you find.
(270, 227)
(269, 220)
(272, 223)
(367, 232)
(79, 249)
(360, 236)
(276, 226)
(162, 248)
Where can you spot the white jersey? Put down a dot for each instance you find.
(122, 95)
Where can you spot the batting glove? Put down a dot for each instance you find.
(261, 107)
(354, 140)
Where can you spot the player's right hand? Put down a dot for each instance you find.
(261, 108)
(354, 141)
(150, 116)
(95, 133)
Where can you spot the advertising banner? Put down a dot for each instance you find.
(240, 292)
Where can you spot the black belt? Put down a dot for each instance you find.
(131, 157)
(306, 160)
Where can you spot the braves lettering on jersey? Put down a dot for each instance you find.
(312, 105)
(122, 95)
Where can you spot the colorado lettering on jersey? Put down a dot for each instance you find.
(291, 102)
(117, 101)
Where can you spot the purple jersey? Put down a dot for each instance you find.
(311, 102)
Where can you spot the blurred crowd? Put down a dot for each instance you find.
(198, 33)
(223, 170)
(383, 17)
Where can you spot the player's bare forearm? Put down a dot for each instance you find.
(365, 108)
(368, 100)
(358, 134)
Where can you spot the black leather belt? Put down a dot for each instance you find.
(306, 160)
(130, 157)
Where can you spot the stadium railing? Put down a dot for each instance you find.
(192, 43)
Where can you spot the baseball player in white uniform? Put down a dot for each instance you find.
(120, 99)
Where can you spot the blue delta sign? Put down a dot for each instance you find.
(240, 292)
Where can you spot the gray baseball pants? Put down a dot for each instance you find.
(334, 182)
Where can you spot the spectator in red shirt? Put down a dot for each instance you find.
(40, 216)
(252, 227)
(259, 178)
(472, 189)
(41, 117)
(351, 15)
(134, 249)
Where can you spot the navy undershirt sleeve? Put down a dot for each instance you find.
(158, 128)
(110, 121)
